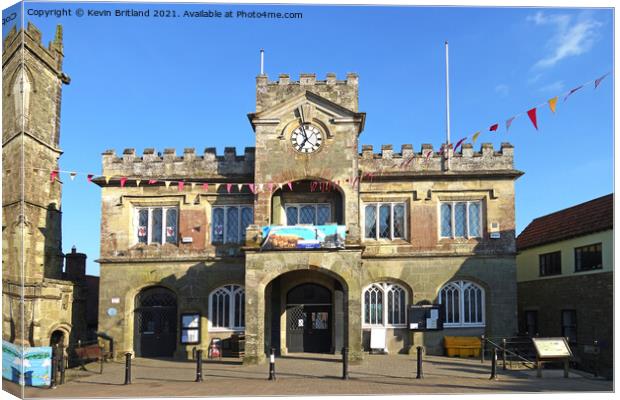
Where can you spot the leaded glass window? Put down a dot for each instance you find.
(156, 225)
(463, 303)
(311, 214)
(385, 304)
(461, 219)
(229, 223)
(227, 307)
(390, 223)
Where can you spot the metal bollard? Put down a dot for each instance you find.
(127, 368)
(494, 365)
(504, 354)
(272, 365)
(482, 348)
(345, 363)
(419, 374)
(61, 364)
(597, 352)
(198, 366)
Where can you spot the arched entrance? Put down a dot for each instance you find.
(155, 322)
(309, 319)
(57, 338)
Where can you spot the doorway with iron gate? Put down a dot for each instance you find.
(309, 319)
(155, 322)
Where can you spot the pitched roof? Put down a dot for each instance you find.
(589, 217)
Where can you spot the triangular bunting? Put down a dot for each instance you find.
(460, 142)
(599, 80)
(509, 122)
(138, 182)
(290, 185)
(107, 179)
(228, 187)
(205, 187)
(89, 177)
(167, 183)
(53, 175)
(475, 137)
(152, 181)
(181, 185)
(260, 187)
(270, 186)
(72, 175)
(572, 91)
(123, 181)
(492, 128)
(532, 114)
(239, 187)
(552, 103)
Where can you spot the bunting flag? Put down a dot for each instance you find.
(217, 186)
(270, 187)
(239, 187)
(53, 175)
(89, 178)
(552, 103)
(532, 114)
(72, 175)
(123, 181)
(107, 179)
(205, 187)
(572, 91)
(181, 185)
(460, 142)
(599, 80)
(228, 187)
(251, 186)
(492, 128)
(290, 185)
(167, 183)
(193, 185)
(428, 154)
(475, 137)
(509, 122)
(152, 181)
(260, 187)
(138, 182)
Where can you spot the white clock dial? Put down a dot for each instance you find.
(307, 138)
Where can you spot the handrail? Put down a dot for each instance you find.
(505, 350)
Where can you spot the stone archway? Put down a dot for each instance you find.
(155, 322)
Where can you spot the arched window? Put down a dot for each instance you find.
(463, 303)
(227, 308)
(385, 304)
(21, 93)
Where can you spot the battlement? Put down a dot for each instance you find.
(157, 165)
(33, 39)
(343, 92)
(487, 159)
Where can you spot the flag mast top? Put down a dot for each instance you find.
(447, 149)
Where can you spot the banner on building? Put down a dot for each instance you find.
(304, 237)
(31, 366)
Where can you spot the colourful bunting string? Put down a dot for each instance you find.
(181, 185)
(475, 137)
(532, 114)
(152, 181)
(123, 180)
(228, 187)
(572, 91)
(167, 183)
(239, 187)
(493, 128)
(205, 187)
(53, 175)
(509, 122)
(599, 80)
(72, 175)
(89, 178)
(138, 182)
(290, 185)
(107, 179)
(460, 142)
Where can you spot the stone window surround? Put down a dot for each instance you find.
(385, 286)
(240, 232)
(235, 288)
(150, 205)
(459, 199)
(384, 200)
(462, 284)
(300, 205)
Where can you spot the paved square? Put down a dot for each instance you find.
(307, 374)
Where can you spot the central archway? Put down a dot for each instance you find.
(309, 319)
(155, 322)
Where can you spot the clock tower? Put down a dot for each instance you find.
(307, 131)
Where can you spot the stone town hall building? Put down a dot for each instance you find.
(181, 266)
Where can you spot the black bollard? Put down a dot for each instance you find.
(198, 366)
(419, 374)
(504, 354)
(127, 368)
(597, 352)
(482, 348)
(61, 364)
(345, 363)
(494, 365)
(272, 365)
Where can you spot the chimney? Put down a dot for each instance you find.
(75, 265)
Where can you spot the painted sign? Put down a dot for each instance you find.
(304, 237)
(29, 366)
(554, 347)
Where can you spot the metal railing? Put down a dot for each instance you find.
(517, 350)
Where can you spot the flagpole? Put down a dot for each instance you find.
(447, 149)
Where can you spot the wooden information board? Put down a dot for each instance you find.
(550, 348)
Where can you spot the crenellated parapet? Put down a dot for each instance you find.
(343, 92)
(52, 54)
(430, 160)
(188, 165)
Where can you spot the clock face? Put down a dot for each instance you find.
(307, 138)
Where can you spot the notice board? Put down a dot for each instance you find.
(426, 317)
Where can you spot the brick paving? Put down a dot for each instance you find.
(312, 375)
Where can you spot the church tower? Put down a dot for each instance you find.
(31, 226)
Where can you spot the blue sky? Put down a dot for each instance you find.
(148, 82)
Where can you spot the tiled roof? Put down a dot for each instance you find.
(589, 217)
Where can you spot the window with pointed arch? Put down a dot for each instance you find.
(463, 303)
(227, 308)
(385, 304)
